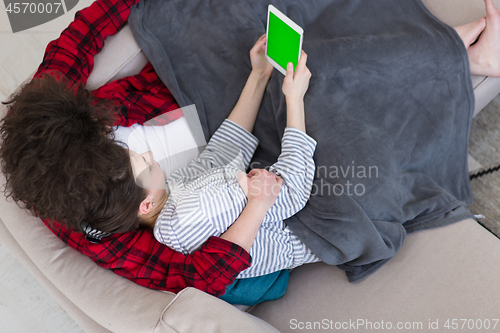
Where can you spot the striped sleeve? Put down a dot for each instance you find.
(296, 166)
(184, 228)
(230, 145)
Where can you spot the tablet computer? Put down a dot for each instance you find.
(284, 40)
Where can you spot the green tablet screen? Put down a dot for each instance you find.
(283, 42)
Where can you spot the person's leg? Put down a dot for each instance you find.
(470, 32)
(484, 56)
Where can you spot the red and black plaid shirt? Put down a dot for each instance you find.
(135, 255)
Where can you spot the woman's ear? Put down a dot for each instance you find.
(146, 206)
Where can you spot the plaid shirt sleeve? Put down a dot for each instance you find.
(138, 98)
(73, 52)
(136, 255)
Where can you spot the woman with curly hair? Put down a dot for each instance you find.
(62, 162)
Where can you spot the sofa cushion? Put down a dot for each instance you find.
(446, 273)
(207, 314)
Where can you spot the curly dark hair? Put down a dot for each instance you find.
(61, 161)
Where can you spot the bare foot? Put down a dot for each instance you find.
(470, 32)
(484, 56)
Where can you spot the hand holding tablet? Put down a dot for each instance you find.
(284, 40)
(296, 81)
(258, 58)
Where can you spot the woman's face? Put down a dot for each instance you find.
(148, 174)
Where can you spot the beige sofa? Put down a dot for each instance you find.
(449, 275)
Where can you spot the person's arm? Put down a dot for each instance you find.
(244, 230)
(185, 229)
(247, 107)
(295, 163)
(72, 54)
(140, 258)
(140, 98)
(234, 136)
(296, 167)
(295, 86)
(261, 196)
(230, 145)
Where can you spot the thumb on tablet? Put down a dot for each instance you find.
(288, 81)
(289, 74)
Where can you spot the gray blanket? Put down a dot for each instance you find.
(390, 103)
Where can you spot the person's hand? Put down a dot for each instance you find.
(296, 83)
(263, 187)
(260, 65)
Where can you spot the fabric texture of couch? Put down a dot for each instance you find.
(441, 274)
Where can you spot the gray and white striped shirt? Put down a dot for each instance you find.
(205, 198)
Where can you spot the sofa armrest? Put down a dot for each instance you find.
(457, 12)
(83, 320)
(208, 314)
(485, 89)
(114, 303)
